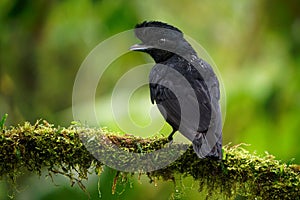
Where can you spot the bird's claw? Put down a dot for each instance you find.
(170, 143)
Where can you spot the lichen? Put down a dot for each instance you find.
(60, 150)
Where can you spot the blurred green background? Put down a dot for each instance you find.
(254, 43)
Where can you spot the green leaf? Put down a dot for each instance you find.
(2, 122)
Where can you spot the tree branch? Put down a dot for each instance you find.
(61, 150)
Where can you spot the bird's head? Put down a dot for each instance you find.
(160, 40)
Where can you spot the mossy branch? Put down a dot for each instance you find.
(60, 150)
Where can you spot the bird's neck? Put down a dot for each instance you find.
(160, 55)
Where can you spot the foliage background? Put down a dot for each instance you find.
(255, 44)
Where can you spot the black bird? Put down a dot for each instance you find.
(184, 87)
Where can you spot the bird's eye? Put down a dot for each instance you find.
(162, 40)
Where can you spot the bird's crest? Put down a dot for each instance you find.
(146, 31)
(157, 24)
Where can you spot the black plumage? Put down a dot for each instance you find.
(184, 87)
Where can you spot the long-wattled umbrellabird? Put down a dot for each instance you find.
(184, 87)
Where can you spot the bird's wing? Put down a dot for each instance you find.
(161, 87)
(181, 96)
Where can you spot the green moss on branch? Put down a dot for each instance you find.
(60, 150)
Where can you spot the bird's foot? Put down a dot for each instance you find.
(169, 144)
(170, 138)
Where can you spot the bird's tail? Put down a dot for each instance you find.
(208, 147)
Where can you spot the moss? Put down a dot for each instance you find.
(61, 151)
